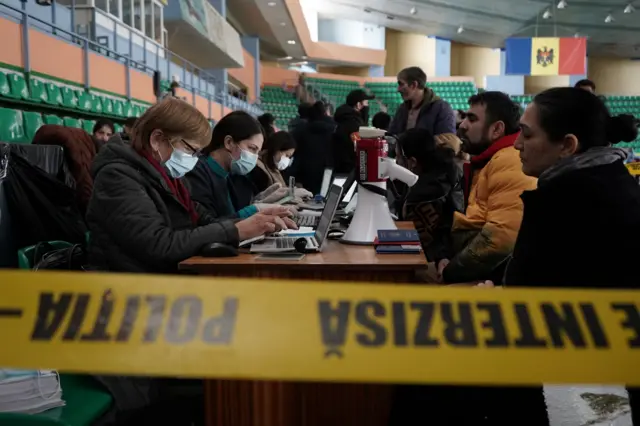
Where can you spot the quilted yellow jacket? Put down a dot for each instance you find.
(484, 236)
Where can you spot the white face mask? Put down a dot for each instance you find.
(284, 162)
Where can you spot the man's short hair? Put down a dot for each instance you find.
(499, 107)
(413, 74)
(585, 83)
(130, 121)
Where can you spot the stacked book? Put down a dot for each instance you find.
(29, 391)
(396, 241)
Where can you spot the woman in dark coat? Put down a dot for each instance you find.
(141, 215)
(574, 233)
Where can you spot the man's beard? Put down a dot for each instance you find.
(474, 148)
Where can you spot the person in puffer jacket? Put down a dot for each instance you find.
(484, 235)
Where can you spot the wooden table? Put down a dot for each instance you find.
(261, 403)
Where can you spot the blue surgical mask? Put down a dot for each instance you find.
(244, 164)
(180, 163)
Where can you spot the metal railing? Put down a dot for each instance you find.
(192, 77)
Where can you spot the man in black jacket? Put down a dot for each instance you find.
(349, 117)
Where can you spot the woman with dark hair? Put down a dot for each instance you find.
(381, 120)
(314, 148)
(276, 156)
(219, 180)
(575, 223)
(267, 121)
(102, 132)
(431, 202)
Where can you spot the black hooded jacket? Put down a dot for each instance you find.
(348, 121)
(313, 153)
(136, 223)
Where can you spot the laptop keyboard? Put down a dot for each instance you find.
(285, 243)
(311, 221)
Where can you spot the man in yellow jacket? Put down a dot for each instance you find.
(483, 237)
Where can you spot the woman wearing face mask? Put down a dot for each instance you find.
(219, 181)
(275, 158)
(141, 216)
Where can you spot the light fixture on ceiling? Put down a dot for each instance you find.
(304, 57)
(271, 3)
(460, 29)
(629, 9)
(291, 41)
(562, 4)
(283, 24)
(546, 14)
(413, 11)
(609, 19)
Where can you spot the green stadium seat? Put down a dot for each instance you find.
(128, 110)
(69, 97)
(107, 106)
(18, 86)
(52, 119)
(87, 125)
(137, 110)
(72, 122)
(84, 101)
(5, 90)
(32, 122)
(37, 91)
(54, 96)
(12, 126)
(118, 128)
(96, 104)
(118, 108)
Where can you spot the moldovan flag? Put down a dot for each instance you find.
(546, 56)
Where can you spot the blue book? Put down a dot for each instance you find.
(395, 236)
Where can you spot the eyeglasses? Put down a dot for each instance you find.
(194, 152)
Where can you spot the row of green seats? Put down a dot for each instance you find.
(15, 87)
(18, 126)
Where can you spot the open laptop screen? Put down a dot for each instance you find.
(326, 182)
(327, 214)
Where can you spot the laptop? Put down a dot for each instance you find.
(326, 182)
(349, 187)
(286, 244)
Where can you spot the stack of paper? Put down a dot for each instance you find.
(29, 391)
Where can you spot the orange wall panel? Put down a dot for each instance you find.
(203, 105)
(142, 86)
(55, 57)
(11, 35)
(106, 74)
(246, 75)
(276, 76)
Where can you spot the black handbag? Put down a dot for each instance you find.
(45, 256)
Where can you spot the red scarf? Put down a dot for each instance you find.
(479, 161)
(177, 188)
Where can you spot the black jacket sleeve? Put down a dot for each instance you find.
(259, 179)
(203, 191)
(136, 225)
(344, 156)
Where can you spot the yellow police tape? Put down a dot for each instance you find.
(286, 330)
(634, 168)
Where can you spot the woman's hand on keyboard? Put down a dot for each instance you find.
(277, 210)
(261, 224)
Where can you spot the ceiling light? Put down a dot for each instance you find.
(546, 14)
(287, 58)
(304, 57)
(562, 4)
(283, 24)
(609, 19)
(291, 41)
(271, 3)
(629, 9)
(460, 29)
(413, 11)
